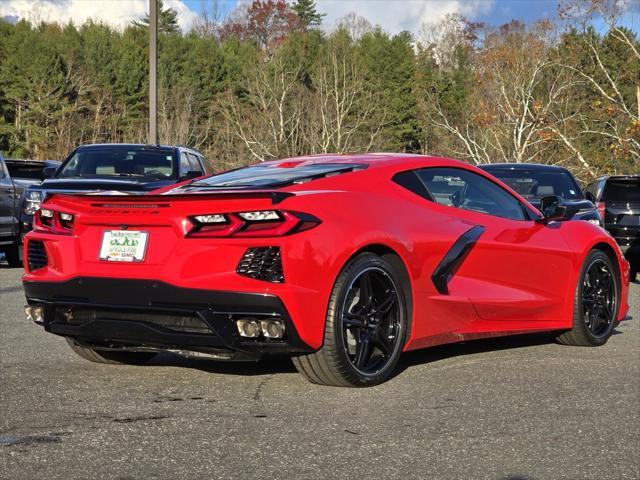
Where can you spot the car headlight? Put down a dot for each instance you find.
(32, 201)
(595, 221)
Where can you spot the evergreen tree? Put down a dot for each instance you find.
(167, 20)
(306, 10)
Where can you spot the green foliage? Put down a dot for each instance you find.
(312, 91)
(167, 20)
(391, 65)
(306, 10)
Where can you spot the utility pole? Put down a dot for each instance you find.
(153, 72)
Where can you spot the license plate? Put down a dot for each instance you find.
(123, 246)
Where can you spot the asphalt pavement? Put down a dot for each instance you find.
(519, 408)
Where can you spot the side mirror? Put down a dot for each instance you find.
(49, 172)
(552, 209)
(192, 174)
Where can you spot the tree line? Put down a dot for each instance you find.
(266, 82)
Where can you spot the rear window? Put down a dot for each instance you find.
(536, 185)
(622, 190)
(121, 161)
(26, 171)
(271, 176)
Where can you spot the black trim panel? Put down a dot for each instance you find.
(454, 258)
(217, 308)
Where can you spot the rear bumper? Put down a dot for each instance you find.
(153, 314)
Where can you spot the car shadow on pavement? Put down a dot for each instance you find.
(443, 352)
(266, 366)
(273, 364)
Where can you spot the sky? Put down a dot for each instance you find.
(393, 15)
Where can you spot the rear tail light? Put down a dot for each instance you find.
(211, 219)
(51, 221)
(261, 216)
(263, 223)
(601, 210)
(46, 218)
(66, 221)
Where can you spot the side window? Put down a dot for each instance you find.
(467, 190)
(194, 163)
(184, 164)
(205, 165)
(72, 167)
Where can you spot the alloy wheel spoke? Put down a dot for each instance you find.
(366, 289)
(606, 285)
(363, 349)
(595, 321)
(384, 307)
(349, 320)
(382, 342)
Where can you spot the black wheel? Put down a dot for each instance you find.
(13, 255)
(110, 356)
(366, 325)
(596, 302)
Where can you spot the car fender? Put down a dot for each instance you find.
(584, 237)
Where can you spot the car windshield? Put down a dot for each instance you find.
(267, 175)
(533, 184)
(121, 161)
(624, 190)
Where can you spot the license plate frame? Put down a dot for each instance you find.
(133, 248)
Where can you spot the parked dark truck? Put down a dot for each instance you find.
(618, 201)
(128, 168)
(535, 181)
(16, 176)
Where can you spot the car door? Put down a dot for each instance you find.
(8, 219)
(516, 270)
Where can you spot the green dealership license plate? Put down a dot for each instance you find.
(123, 246)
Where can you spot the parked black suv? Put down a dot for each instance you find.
(535, 181)
(618, 201)
(131, 168)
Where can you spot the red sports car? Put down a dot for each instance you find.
(342, 262)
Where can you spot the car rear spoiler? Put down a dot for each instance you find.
(117, 197)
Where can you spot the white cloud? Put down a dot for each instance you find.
(397, 15)
(117, 13)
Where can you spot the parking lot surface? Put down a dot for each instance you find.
(513, 408)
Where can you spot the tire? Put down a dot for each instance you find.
(596, 302)
(363, 340)
(13, 255)
(109, 356)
